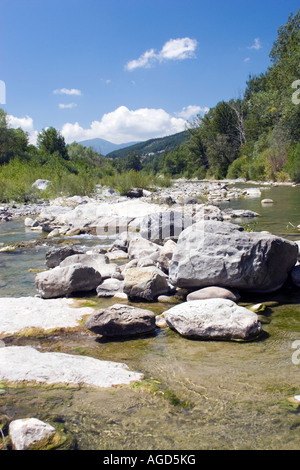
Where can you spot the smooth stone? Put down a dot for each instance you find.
(62, 281)
(19, 364)
(55, 255)
(160, 322)
(213, 319)
(121, 320)
(267, 201)
(32, 434)
(214, 292)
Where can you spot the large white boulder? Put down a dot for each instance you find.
(220, 253)
(214, 319)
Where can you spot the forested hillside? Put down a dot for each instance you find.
(255, 136)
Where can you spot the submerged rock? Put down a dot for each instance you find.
(26, 364)
(214, 292)
(26, 313)
(121, 320)
(213, 319)
(33, 434)
(220, 253)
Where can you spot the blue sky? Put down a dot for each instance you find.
(129, 70)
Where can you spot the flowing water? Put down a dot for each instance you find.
(196, 394)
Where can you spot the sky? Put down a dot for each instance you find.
(129, 70)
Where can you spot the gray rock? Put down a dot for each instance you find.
(121, 320)
(165, 255)
(213, 319)
(214, 253)
(109, 287)
(140, 248)
(56, 255)
(145, 283)
(161, 226)
(63, 281)
(95, 261)
(26, 364)
(214, 292)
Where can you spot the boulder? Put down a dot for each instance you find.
(145, 283)
(32, 434)
(165, 255)
(140, 248)
(121, 320)
(161, 226)
(24, 363)
(213, 319)
(109, 287)
(95, 261)
(63, 281)
(214, 292)
(213, 253)
(56, 255)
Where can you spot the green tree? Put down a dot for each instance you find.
(51, 141)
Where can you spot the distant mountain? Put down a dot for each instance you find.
(151, 146)
(104, 146)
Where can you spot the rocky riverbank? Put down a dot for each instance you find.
(183, 253)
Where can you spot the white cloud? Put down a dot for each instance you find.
(191, 111)
(123, 125)
(67, 91)
(174, 49)
(247, 59)
(67, 106)
(26, 124)
(256, 45)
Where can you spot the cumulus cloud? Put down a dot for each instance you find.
(191, 111)
(67, 106)
(256, 45)
(123, 125)
(174, 49)
(67, 91)
(25, 123)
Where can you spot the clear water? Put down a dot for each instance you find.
(196, 394)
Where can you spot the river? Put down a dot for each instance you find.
(197, 395)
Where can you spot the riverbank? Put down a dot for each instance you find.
(182, 377)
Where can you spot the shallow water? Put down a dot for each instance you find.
(196, 394)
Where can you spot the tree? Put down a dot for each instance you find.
(50, 140)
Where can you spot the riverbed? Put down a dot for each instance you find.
(202, 395)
